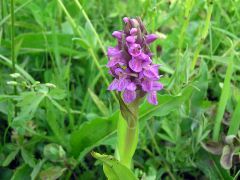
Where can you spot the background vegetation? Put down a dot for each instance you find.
(58, 109)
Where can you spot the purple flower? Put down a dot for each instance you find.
(130, 94)
(117, 34)
(131, 39)
(151, 37)
(139, 62)
(115, 57)
(133, 31)
(131, 65)
(151, 72)
(135, 50)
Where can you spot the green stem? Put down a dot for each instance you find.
(127, 140)
(159, 152)
(187, 12)
(77, 31)
(70, 19)
(101, 71)
(91, 25)
(203, 35)
(12, 37)
(13, 49)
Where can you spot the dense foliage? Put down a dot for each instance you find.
(55, 107)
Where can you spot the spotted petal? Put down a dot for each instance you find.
(113, 51)
(147, 85)
(113, 85)
(136, 64)
(129, 96)
(122, 84)
(152, 98)
(157, 86)
(131, 86)
(135, 50)
(151, 72)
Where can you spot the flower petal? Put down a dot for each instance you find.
(157, 86)
(151, 72)
(135, 64)
(125, 19)
(131, 87)
(151, 37)
(119, 71)
(134, 50)
(147, 85)
(131, 39)
(146, 59)
(133, 31)
(122, 84)
(152, 98)
(112, 62)
(112, 51)
(113, 85)
(129, 96)
(117, 34)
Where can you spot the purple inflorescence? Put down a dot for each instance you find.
(131, 65)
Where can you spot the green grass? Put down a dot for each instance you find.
(64, 43)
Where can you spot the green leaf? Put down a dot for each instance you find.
(37, 169)
(45, 43)
(4, 97)
(28, 102)
(27, 157)
(22, 172)
(166, 104)
(202, 84)
(83, 44)
(223, 100)
(52, 173)
(207, 160)
(101, 106)
(10, 158)
(171, 131)
(223, 174)
(18, 68)
(5, 173)
(235, 123)
(92, 134)
(57, 94)
(113, 169)
(54, 152)
(57, 105)
(53, 122)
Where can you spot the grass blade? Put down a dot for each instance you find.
(223, 100)
(235, 123)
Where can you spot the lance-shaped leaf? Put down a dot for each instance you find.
(113, 169)
(167, 103)
(91, 134)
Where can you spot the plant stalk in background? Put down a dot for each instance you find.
(13, 57)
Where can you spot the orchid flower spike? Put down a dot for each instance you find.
(131, 65)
